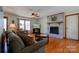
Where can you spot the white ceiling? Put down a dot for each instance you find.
(42, 10)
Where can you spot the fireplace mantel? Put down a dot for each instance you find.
(55, 22)
(60, 26)
(59, 22)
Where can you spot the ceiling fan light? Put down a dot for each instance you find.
(33, 13)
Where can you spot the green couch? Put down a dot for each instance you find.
(16, 45)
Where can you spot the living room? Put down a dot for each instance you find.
(52, 22)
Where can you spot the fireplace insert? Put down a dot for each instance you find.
(54, 30)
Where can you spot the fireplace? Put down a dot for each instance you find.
(54, 30)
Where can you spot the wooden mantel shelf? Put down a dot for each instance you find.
(55, 22)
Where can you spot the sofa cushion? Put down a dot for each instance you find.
(26, 39)
(15, 43)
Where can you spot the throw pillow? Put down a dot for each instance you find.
(26, 39)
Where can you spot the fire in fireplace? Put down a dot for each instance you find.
(54, 30)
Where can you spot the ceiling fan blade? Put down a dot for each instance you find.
(30, 9)
(34, 12)
(38, 10)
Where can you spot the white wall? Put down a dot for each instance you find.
(33, 21)
(43, 22)
(1, 21)
(1, 25)
(10, 18)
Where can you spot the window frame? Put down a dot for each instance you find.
(27, 25)
(19, 24)
(24, 24)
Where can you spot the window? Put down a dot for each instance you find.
(21, 23)
(5, 23)
(24, 25)
(27, 25)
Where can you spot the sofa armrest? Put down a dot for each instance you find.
(34, 47)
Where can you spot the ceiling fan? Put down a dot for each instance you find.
(34, 13)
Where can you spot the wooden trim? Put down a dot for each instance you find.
(7, 22)
(78, 26)
(65, 27)
(73, 14)
(66, 21)
(18, 24)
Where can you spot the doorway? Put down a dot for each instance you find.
(5, 23)
(72, 26)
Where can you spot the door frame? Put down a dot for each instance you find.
(7, 21)
(66, 25)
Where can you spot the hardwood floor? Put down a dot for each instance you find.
(56, 45)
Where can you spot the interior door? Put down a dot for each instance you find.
(72, 27)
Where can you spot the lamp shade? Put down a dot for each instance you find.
(12, 27)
